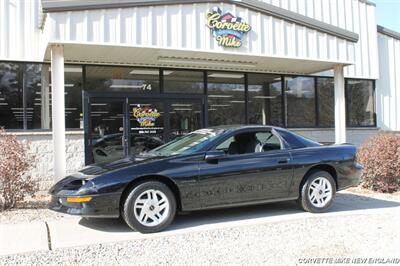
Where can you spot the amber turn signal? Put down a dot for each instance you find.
(79, 199)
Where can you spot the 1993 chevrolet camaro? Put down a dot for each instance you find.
(210, 168)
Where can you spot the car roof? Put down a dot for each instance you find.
(239, 126)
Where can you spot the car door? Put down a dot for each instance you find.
(241, 178)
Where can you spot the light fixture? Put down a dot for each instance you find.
(3, 103)
(219, 96)
(220, 105)
(237, 101)
(115, 86)
(99, 112)
(149, 72)
(264, 97)
(182, 109)
(99, 104)
(226, 75)
(68, 85)
(181, 104)
(71, 69)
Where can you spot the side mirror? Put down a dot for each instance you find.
(214, 156)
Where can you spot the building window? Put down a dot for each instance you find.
(73, 96)
(326, 102)
(265, 99)
(182, 81)
(11, 95)
(360, 103)
(300, 101)
(126, 79)
(36, 93)
(226, 101)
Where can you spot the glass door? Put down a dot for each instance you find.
(128, 124)
(146, 124)
(107, 137)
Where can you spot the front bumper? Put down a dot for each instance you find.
(101, 205)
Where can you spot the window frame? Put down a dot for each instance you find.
(347, 103)
(206, 91)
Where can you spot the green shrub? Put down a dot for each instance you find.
(380, 156)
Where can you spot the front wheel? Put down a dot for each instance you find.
(318, 192)
(150, 207)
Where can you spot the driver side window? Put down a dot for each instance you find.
(224, 146)
(250, 142)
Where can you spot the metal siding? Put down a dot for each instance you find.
(388, 85)
(352, 15)
(19, 30)
(183, 27)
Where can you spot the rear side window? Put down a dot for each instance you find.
(296, 141)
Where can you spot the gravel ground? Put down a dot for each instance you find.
(370, 235)
(31, 211)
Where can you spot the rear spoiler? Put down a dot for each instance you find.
(325, 143)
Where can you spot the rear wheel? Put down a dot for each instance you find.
(318, 192)
(150, 207)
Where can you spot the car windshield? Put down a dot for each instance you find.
(189, 143)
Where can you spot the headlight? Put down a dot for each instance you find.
(88, 187)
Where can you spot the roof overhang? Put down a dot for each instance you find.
(389, 32)
(155, 57)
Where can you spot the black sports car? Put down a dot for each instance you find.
(210, 168)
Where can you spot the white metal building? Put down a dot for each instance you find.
(71, 71)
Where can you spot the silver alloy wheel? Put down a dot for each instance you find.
(320, 192)
(151, 208)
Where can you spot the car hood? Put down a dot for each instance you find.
(100, 168)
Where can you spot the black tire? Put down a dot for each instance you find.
(128, 207)
(304, 199)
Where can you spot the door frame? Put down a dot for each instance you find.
(87, 98)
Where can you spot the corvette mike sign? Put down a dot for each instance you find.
(227, 29)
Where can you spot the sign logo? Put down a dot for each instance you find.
(146, 116)
(227, 29)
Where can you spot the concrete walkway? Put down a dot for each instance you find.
(78, 232)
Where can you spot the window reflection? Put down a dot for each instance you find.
(178, 81)
(127, 79)
(11, 108)
(300, 101)
(226, 102)
(73, 96)
(265, 99)
(360, 102)
(326, 99)
(37, 96)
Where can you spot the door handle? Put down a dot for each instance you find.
(282, 161)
